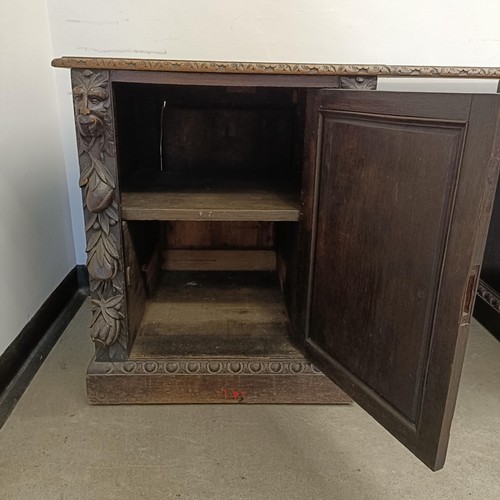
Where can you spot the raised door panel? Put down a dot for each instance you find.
(403, 188)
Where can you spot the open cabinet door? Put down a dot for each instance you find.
(404, 185)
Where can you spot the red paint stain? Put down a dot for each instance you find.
(234, 394)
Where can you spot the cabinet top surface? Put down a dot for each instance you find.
(274, 68)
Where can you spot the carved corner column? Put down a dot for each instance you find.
(94, 118)
(358, 82)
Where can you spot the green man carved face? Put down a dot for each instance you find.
(92, 101)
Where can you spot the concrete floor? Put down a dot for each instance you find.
(56, 446)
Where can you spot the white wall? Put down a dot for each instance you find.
(427, 32)
(36, 245)
(453, 32)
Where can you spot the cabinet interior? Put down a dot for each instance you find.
(211, 180)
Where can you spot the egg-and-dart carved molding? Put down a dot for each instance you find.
(205, 367)
(489, 295)
(275, 68)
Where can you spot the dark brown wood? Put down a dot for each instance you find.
(220, 136)
(453, 106)
(152, 269)
(135, 285)
(294, 241)
(92, 98)
(209, 235)
(220, 79)
(219, 246)
(403, 198)
(219, 260)
(217, 380)
(465, 247)
(195, 132)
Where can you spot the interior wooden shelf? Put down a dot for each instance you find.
(209, 205)
(215, 314)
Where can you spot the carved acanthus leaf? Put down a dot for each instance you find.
(358, 82)
(107, 319)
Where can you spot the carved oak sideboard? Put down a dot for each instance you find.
(246, 220)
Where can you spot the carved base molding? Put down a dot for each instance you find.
(487, 308)
(489, 295)
(191, 380)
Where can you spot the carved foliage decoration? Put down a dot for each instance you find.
(358, 82)
(275, 68)
(97, 157)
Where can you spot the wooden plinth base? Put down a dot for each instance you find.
(183, 381)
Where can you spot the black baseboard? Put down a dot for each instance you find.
(83, 279)
(22, 359)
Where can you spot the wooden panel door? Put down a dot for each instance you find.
(403, 187)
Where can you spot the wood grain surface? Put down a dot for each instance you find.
(274, 68)
(237, 314)
(250, 205)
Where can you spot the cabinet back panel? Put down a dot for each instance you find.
(207, 131)
(225, 140)
(219, 235)
(216, 245)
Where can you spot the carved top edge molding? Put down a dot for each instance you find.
(274, 68)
